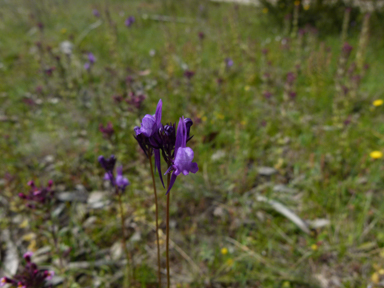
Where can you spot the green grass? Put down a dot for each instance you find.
(236, 131)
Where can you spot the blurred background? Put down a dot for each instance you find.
(286, 99)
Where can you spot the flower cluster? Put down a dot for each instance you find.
(119, 182)
(30, 277)
(38, 197)
(155, 137)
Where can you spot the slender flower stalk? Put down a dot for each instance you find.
(119, 183)
(182, 163)
(167, 233)
(157, 221)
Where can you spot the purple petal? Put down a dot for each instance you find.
(119, 171)
(147, 125)
(173, 179)
(183, 161)
(158, 113)
(179, 135)
(122, 182)
(158, 164)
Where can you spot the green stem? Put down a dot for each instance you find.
(124, 239)
(167, 241)
(157, 221)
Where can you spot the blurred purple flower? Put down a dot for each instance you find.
(107, 131)
(30, 277)
(267, 94)
(182, 162)
(96, 13)
(229, 62)
(129, 21)
(189, 74)
(38, 197)
(91, 58)
(347, 49)
(120, 182)
(201, 35)
(87, 66)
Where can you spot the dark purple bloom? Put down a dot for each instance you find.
(135, 100)
(291, 77)
(49, 71)
(228, 62)
(30, 277)
(129, 21)
(107, 131)
(96, 13)
(189, 74)
(201, 35)
(182, 162)
(109, 166)
(292, 95)
(347, 49)
(38, 197)
(267, 94)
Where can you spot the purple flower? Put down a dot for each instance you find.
(91, 58)
(96, 13)
(267, 94)
(38, 197)
(183, 155)
(291, 77)
(129, 21)
(119, 182)
(150, 123)
(347, 49)
(31, 276)
(109, 166)
(145, 136)
(189, 74)
(87, 66)
(229, 62)
(107, 131)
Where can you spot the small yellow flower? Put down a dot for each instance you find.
(243, 122)
(204, 118)
(314, 247)
(265, 10)
(381, 271)
(246, 88)
(306, 7)
(224, 251)
(297, 3)
(63, 31)
(375, 278)
(220, 116)
(378, 102)
(376, 154)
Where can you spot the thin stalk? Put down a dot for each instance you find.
(157, 221)
(167, 241)
(124, 239)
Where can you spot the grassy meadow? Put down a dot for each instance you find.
(288, 136)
